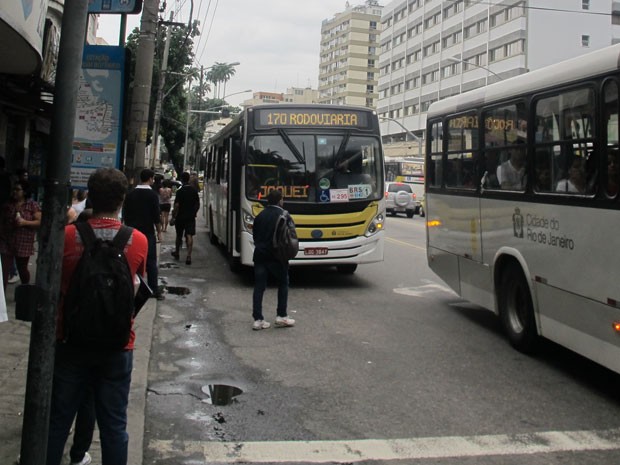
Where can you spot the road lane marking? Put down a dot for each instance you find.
(396, 241)
(390, 449)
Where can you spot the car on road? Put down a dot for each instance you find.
(401, 198)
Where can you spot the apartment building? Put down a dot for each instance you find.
(348, 70)
(433, 49)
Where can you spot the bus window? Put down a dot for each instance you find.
(505, 135)
(568, 122)
(613, 155)
(433, 170)
(462, 151)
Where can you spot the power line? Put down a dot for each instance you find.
(204, 47)
(203, 37)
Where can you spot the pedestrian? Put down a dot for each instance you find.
(165, 203)
(141, 211)
(265, 263)
(186, 206)
(105, 371)
(19, 220)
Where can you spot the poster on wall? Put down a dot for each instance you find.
(98, 122)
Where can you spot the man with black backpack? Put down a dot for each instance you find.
(268, 261)
(95, 336)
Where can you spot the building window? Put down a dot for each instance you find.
(585, 40)
(585, 4)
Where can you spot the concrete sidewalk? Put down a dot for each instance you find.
(14, 346)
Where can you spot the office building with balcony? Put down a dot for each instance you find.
(348, 68)
(433, 49)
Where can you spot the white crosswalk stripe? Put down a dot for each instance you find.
(390, 449)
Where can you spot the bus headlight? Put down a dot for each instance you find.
(248, 221)
(375, 225)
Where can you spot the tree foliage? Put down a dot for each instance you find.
(180, 75)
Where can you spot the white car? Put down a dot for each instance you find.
(400, 198)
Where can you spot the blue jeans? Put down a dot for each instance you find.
(261, 273)
(84, 428)
(108, 374)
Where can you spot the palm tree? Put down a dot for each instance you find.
(221, 73)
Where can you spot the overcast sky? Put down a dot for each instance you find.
(277, 42)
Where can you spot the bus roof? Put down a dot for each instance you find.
(589, 65)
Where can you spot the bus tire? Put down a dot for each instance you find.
(346, 269)
(212, 236)
(516, 310)
(235, 264)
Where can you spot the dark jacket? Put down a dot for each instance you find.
(262, 231)
(141, 210)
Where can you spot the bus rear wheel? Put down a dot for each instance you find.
(517, 310)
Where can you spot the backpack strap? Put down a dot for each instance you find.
(122, 237)
(86, 233)
(89, 238)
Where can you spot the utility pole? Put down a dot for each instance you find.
(160, 94)
(51, 235)
(198, 147)
(141, 96)
(189, 114)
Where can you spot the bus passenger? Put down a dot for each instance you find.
(576, 181)
(511, 173)
(543, 172)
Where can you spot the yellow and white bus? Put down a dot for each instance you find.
(328, 163)
(522, 203)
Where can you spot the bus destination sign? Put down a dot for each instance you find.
(300, 117)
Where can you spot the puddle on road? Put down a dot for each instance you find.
(178, 290)
(220, 394)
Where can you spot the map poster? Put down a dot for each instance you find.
(98, 122)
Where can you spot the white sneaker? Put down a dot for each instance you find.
(284, 322)
(85, 461)
(260, 324)
(14, 279)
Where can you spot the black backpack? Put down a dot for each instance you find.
(99, 304)
(285, 243)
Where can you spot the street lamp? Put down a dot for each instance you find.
(458, 60)
(407, 131)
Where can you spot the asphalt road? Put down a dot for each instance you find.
(384, 366)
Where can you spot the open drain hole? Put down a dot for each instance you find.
(178, 290)
(220, 394)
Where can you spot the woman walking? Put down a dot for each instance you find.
(19, 220)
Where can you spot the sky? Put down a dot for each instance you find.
(276, 42)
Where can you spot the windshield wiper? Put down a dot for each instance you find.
(287, 140)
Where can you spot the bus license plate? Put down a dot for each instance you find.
(315, 251)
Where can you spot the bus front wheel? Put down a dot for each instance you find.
(346, 269)
(517, 310)
(212, 236)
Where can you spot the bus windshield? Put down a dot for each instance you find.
(314, 168)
